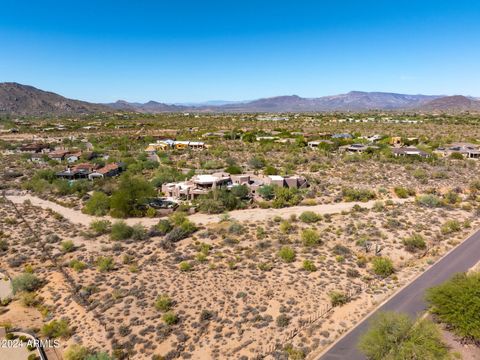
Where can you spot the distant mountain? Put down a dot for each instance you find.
(151, 107)
(18, 99)
(352, 101)
(456, 103)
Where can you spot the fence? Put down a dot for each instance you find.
(325, 309)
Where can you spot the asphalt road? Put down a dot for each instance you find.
(410, 300)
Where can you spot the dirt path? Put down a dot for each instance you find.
(77, 217)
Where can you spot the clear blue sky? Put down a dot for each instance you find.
(196, 50)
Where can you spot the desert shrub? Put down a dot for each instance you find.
(394, 336)
(456, 156)
(429, 200)
(170, 318)
(233, 169)
(450, 226)
(452, 198)
(310, 237)
(382, 266)
(257, 162)
(164, 226)
(414, 242)
(30, 299)
(105, 264)
(352, 273)
(350, 194)
(309, 266)
(25, 282)
(178, 233)
(267, 192)
(285, 226)
(338, 298)
(163, 303)
(185, 266)
(121, 231)
(282, 320)
(3, 245)
(341, 250)
(265, 266)
(457, 303)
(67, 246)
(403, 193)
(98, 204)
(100, 227)
(76, 352)
(139, 232)
(294, 353)
(57, 329)
(309, 217)
(286, 197)
(287, 254)
(77, 265)
(236, 228)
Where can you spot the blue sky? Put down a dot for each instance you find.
(179, 51)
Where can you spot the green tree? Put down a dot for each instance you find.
(131, 195)
(98, 204)
(457, 303)
(394, 336)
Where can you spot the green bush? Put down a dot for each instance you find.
(98, 204)
(25, 282)
(309, 217)
(185, 266)
(382, 266)
(310, 237)
(393, 336)
(139, 232)
(450, 226)
(414, 243)
(163, 303)
(101, 227)
(309, 266)
(57, 329)
(429, 200)
(164, 226)
(403, 193)
(350, 194)
(105, 264)
(282, 320)
(287, 254)
(67, 246)
(338, 298)
(265, 266)
(457, 303)
(77, 265)
(121, 231)
(170, 318)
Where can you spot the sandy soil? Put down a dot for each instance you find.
(5, 287)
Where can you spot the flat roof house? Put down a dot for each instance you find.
(410, 151)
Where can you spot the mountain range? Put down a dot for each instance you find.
(18, 99)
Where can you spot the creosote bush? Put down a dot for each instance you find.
(382, 266)
(287, 254)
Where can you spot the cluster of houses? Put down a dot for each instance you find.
(200, 185)
(163, 145)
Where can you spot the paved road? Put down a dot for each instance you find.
(410, 300)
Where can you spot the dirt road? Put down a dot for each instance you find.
(77, 217)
